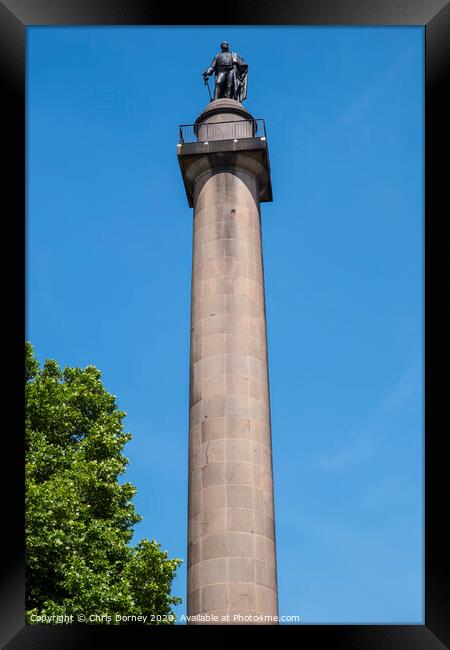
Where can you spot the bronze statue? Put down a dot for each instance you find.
(231, 74)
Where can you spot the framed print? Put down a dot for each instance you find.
(355, 124)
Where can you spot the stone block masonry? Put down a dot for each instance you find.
(231, 535)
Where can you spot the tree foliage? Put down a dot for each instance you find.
(79, 518)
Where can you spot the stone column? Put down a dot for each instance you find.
(231, 537)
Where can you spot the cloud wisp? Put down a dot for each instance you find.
(364, 445)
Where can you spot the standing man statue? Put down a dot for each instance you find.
(231, 74)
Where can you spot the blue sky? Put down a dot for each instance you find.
(108, 281)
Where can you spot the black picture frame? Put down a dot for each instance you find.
(15, 17)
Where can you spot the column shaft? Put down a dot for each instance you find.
(231, 537)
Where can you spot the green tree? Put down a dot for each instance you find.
(79, 518)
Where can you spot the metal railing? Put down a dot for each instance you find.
(213, 131)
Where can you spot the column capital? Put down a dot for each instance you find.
(225, 136)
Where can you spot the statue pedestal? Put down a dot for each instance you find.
(231, 539)
(224, 119)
